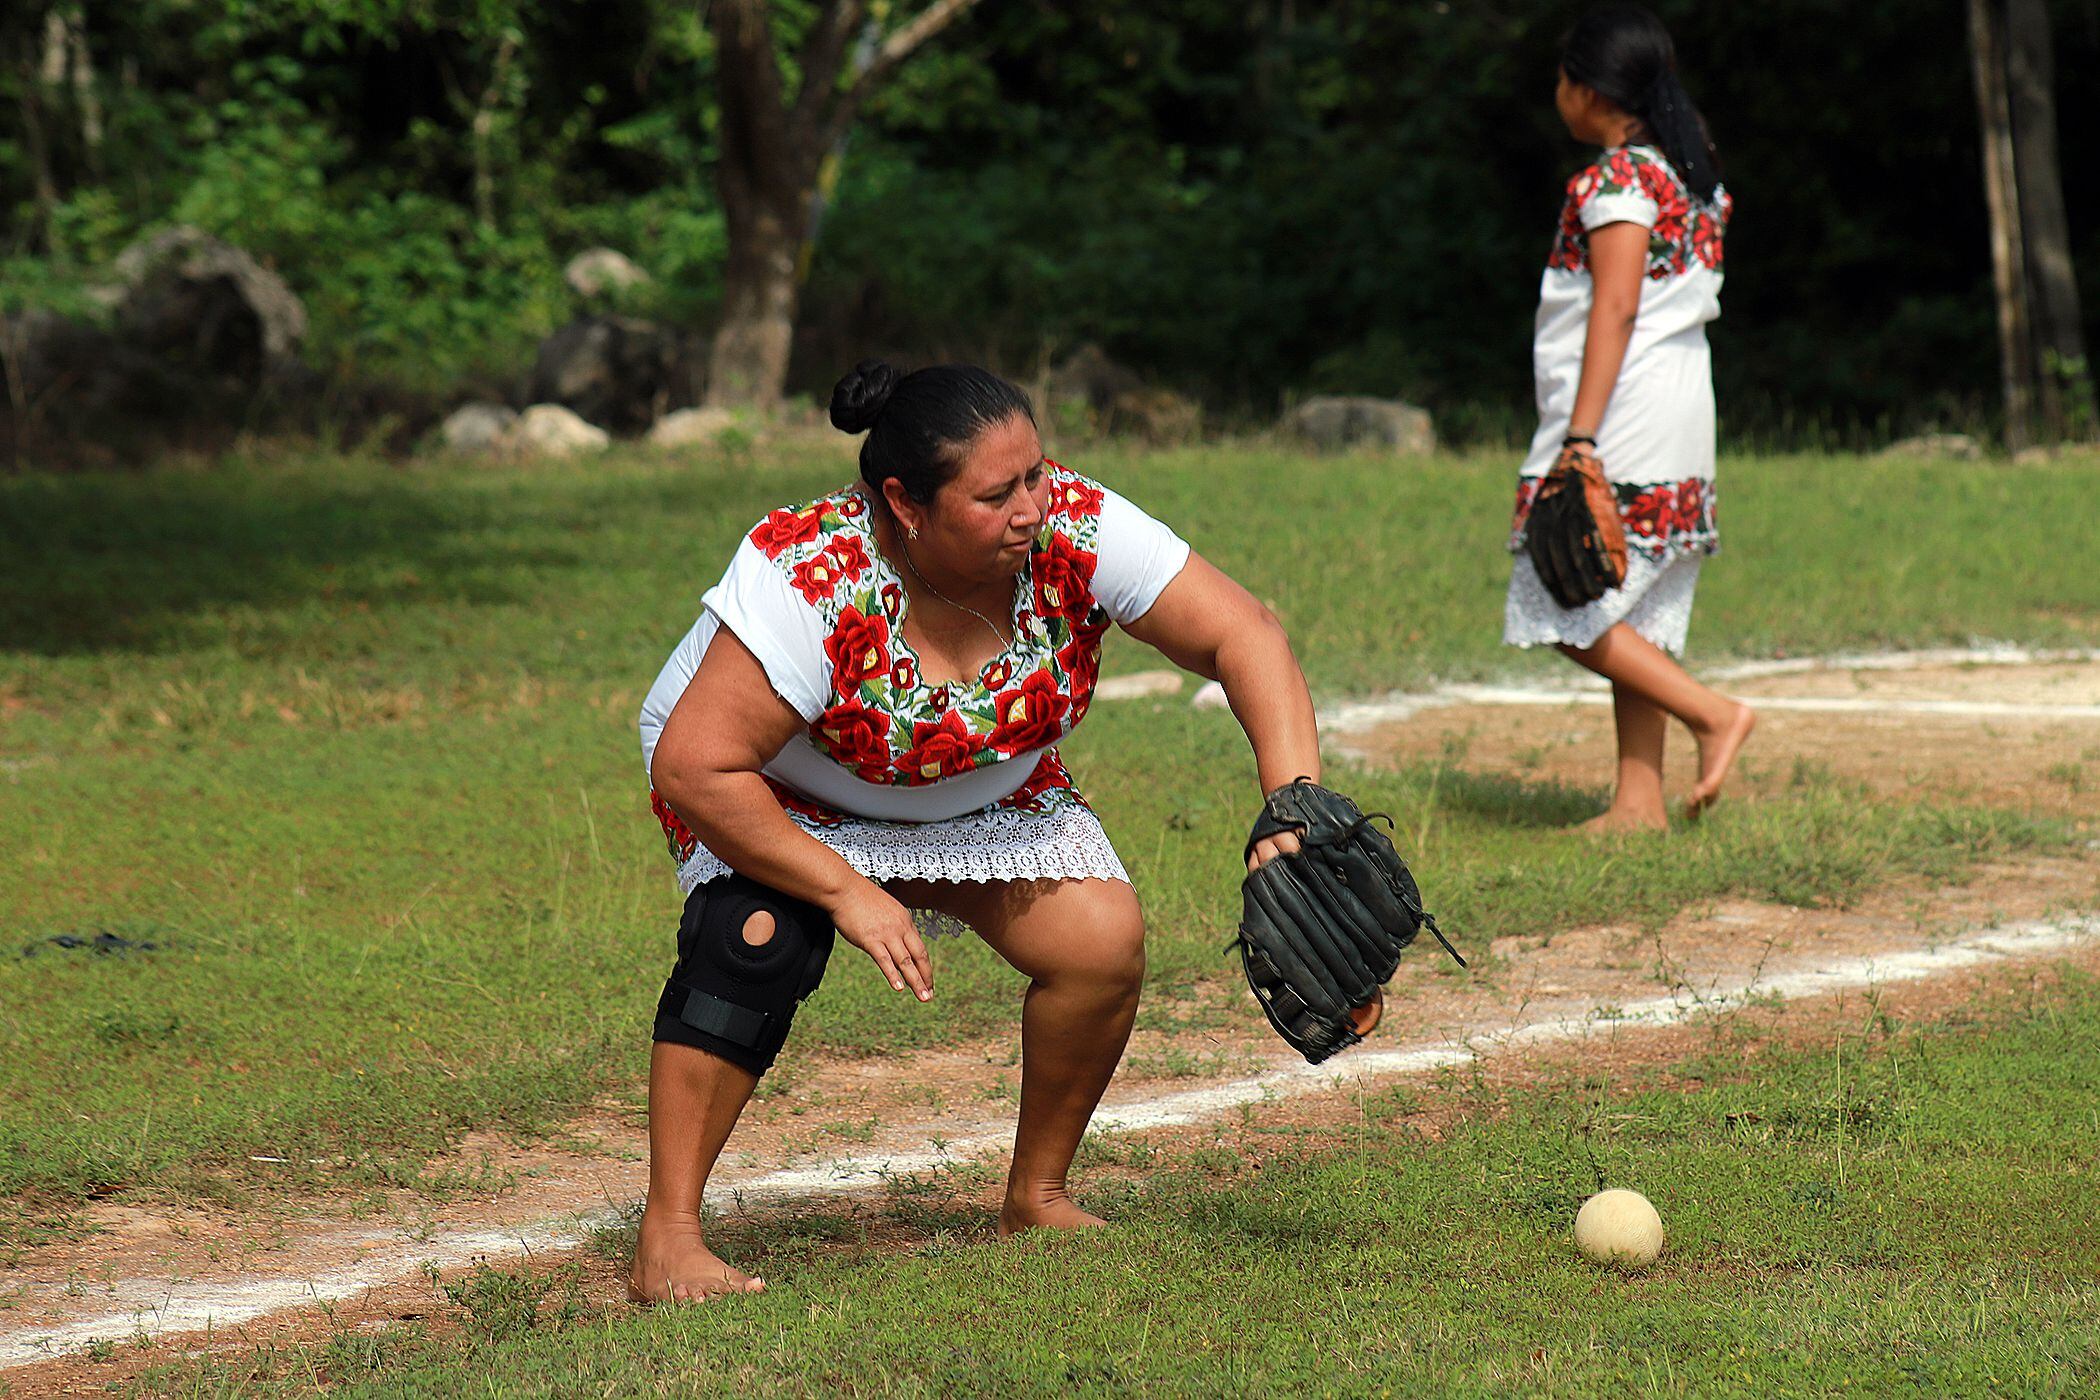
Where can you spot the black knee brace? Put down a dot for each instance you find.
(731, 997)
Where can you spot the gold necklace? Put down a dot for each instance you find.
(997, 635)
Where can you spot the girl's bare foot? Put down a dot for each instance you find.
(1717, 751)
(1617, 821)
(1050, 1209)
(672, 1264)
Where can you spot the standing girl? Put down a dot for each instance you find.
(1623, 374)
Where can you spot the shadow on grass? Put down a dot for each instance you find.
(1511, 801)
(132, 564)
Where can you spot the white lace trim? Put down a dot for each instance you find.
(1655, 600)
(998, 844)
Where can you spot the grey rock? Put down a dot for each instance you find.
(691, 427)
(1091, 377)
(478, 427)
(1339, 422)
(550, 430)
(618, 372)
(597, 272)
(1955, 447)
(206, 307)
(1139, 685)
(1161, 417)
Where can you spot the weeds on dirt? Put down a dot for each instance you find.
(1810, 1178)
(398, 855)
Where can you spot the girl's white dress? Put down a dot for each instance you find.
(1657, 437)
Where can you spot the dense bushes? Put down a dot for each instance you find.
(1246, 201)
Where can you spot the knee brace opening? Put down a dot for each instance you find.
(737, 992)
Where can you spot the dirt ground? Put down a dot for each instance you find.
(2044, 765)
(143, 1257)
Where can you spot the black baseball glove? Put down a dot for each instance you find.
(1322, 928)
(1574, 534)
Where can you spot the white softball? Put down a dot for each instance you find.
(1619, 1227)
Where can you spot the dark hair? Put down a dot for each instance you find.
(1624, 52)
(920, 425)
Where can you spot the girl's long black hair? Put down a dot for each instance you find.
(1624, 52)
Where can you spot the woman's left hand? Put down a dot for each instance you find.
(1283, 843)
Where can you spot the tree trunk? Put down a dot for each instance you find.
(747, 367)
(2008, 246)
(36, 143)
(773, 170)
(2064, 378)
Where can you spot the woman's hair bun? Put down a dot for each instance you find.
(857, 399)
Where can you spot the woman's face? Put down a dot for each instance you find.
(1579, 107)
(982, 524)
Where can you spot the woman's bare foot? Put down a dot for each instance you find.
(672, 1264)
(1044, 1210)
(1717, 751)
(1617, 821)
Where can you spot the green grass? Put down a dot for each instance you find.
(353, 746)
(1886, 1209)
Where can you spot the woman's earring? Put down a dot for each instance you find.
(911, 532)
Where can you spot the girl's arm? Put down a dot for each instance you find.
(723, 730)
(1206, 623)
(1618, 261)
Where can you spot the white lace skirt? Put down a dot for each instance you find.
(1655, 600)
(1065, 842)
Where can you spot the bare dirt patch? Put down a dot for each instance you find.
(2042, 765)
(1609, 1060)
(148, 1258)
(145, 1258)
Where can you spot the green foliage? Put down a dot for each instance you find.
(1247, 201)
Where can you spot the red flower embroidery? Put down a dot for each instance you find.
(1706, 240)
(859, 647)
(997, 672)
(892, 601)
(1063, 573)
(1072, 497)
(1692, 504)
(1048, 775)
(1030, 715)
(1080, 660)
(940, 700)
(904, 675)
(784, 529)
(1653, 512)
(816, 577)
(1527, 488)
(856, 736)
(940, 750)
(1621, 170)
(852, 506)
(851, 554)
(793, 801)
(677, 835)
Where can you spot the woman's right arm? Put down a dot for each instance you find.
(1618, 262)
(728, 725)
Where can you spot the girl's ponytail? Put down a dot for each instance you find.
(1624, 52)
(1681, 133)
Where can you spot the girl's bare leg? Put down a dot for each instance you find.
(694, 1100)
(1081, 944)
(1637, 802)
(1720, 725)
